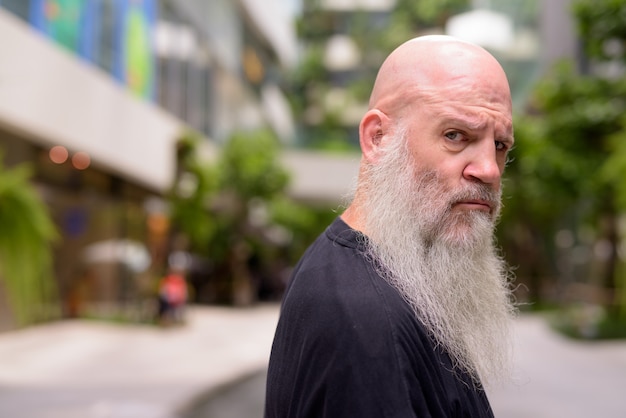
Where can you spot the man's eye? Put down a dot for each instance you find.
(454, 136)
(501, 146)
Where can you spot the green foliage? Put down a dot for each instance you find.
(248, 166)
(614, 170)
(563, 174)
(25, 245)
(589, 322)
(530, 182)
(234, 209)
(570, 161)
(621, 293)
(195, 186)
(580, 115)
(602, 26)
(563, 148)
(427, 13)
(248, 172)
(309, 71)
(304, 222)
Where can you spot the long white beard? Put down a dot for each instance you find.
(443, 263)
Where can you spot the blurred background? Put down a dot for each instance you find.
(217, 138)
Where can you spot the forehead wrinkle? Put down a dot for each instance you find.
(473, 123)
(473, 117)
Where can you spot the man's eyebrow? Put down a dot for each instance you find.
(472, 123)
(476, 124)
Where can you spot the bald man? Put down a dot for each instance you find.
(401, 308)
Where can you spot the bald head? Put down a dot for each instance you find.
(449, 102)
(436, 64)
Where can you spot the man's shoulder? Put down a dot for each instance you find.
(337, 283)
(336, 270)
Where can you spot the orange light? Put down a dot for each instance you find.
(58, 154)
(81, 160)
(252, 66)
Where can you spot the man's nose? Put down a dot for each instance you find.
(483, 165)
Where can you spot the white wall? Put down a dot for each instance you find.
(51, 97)
(318, 177)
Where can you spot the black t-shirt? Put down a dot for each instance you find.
(348, 345)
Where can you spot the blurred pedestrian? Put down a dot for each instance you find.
(172, 297)
(401, 308)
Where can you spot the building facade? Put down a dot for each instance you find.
(94, 95)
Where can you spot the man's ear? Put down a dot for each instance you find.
(373, 128)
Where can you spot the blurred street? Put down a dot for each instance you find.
(88, 369)
(559, 377)
(245, 399)
(214, 367)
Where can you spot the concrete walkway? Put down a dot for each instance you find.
(559, 377)
(87, 369)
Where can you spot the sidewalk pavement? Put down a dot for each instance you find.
(90, 369)
(555, 376)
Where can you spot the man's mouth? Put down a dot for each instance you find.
(475, 204)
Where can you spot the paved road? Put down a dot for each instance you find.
(89, 369)
(243, 400)
(558, 377)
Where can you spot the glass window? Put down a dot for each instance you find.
(18, 7)
(105, 38)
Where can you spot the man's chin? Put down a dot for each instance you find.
(468, 228)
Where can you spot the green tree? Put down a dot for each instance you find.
(195, 186)
(25, 246)
(234, 211)
(602, 26)
(570, 165)
(250, 177)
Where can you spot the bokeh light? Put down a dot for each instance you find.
(81, 160)
(58, 154)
